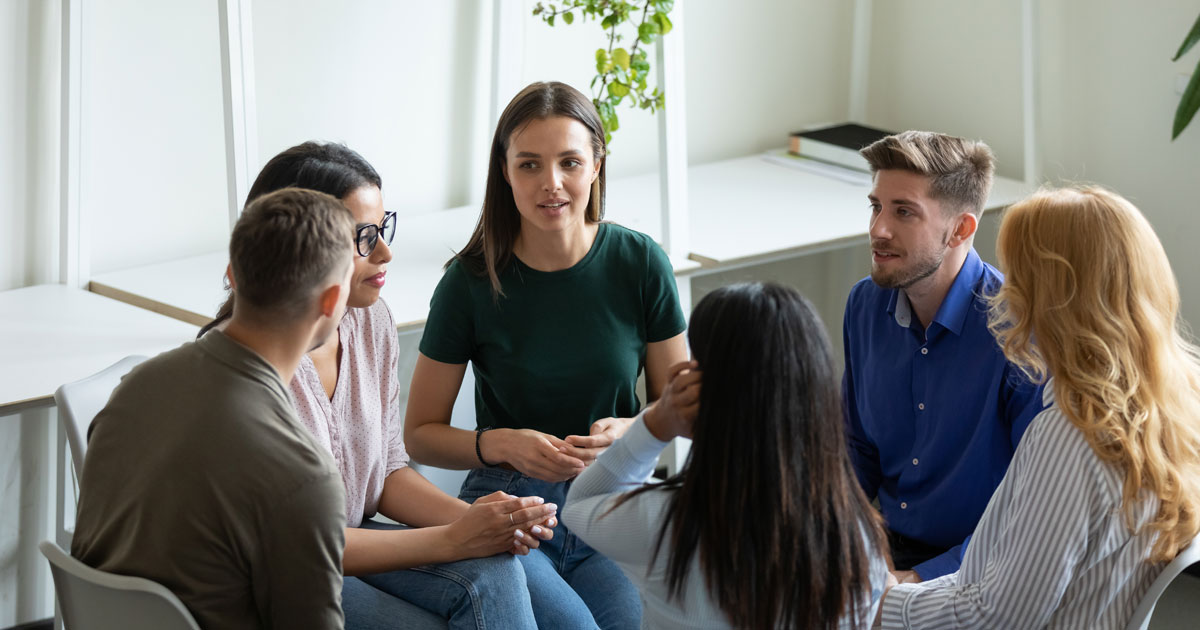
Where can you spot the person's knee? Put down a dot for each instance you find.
(501, 572)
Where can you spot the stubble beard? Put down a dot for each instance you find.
(923, 268)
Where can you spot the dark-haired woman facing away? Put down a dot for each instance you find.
(557, 312)
(443, 566)
(765, 526)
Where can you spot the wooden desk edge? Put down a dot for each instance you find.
(27, 404)
(174, 312)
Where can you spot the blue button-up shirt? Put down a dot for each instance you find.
(932, 416)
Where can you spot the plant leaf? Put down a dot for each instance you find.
(664, 23)
(1189, 41)
(616, 92)
(603, 61)
(1188, 104)
(648, 32)
(568, 17)
(621, 58)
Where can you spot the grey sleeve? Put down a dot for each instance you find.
(298, 577)
(627, 534)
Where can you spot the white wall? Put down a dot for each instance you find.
(29, 41)
(1110, 102)
(153, 160)
(406, 84)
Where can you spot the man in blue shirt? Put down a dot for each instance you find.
(933, 411)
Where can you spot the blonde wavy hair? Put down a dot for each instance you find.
(1089, 298)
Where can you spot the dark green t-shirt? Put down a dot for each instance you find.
(559, 349)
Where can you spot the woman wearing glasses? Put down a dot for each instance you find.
(444, 559)
(557, 312)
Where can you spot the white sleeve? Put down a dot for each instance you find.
(627, 534)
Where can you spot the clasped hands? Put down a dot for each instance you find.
(549, 458)
(501, 522)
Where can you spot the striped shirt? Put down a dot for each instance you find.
(1052, 550)
(628, 534)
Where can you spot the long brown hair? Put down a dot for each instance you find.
(768, 502)
(490, 249)
(1087, 277)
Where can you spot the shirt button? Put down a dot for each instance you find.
(915, 461)
(924, 350)
(921, 406)
(903, 506)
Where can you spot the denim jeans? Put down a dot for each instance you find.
(570, 584)
(468, 594)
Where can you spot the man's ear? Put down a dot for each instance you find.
(229, 276)
(328, 300)
(964, 228)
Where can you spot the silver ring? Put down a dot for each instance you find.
(510, 519)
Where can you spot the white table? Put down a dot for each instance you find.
(191, 289)
(52, 334)
(752, 210)
(741, 212)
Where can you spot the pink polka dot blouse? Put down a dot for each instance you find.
(361, 425)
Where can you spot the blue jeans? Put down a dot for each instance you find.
(468, 594)
(570, 584)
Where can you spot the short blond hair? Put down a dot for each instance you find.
(1086, 276)
(285, 247)
(959, 170)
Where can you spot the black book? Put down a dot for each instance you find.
(837, 144)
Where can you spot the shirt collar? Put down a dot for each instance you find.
(955, 306)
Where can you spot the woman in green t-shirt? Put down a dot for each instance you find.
(558, 313)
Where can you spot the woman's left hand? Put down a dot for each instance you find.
(543, 531)
(603, 433)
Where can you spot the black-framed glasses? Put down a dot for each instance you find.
(366, 235)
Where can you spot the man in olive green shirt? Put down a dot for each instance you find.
(198, 474)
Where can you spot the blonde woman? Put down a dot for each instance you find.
(1105, 486)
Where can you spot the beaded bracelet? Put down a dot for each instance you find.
(479, 453)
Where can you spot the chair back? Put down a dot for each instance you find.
(80, 401)
(1141, 615)
(90, 599)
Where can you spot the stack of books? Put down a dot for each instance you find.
(836, 144)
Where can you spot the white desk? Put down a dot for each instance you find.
(52, 334)
(743, 211)
(750, 210)
(191, 289)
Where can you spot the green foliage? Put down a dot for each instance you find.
(621, 73)
(1189, 103)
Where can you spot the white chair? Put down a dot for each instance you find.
(94, 600)
(1141, 615)
(78, 403)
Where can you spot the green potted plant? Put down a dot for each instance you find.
(621, 72)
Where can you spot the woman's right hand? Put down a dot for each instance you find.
(533, 453)
(491, 524)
